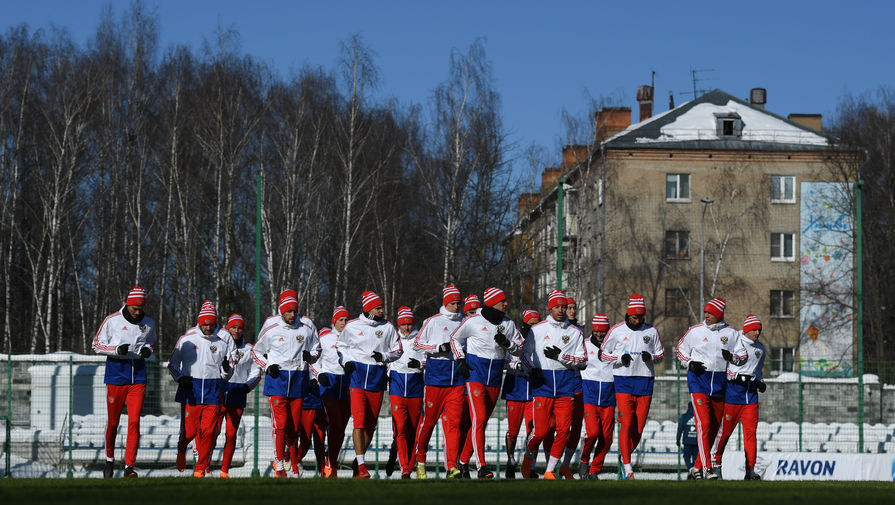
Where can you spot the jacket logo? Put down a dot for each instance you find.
(445, 328)
(646, 339)
(124, 327)
(757, 354)
(300, 338)
(238, 356)
(484, 329)
(546, 338)
(501, 328)
(705, 339)
(565, 339)
(360, 334)
(282, 339)
(625, 339)
(378, 333)
(142, 327)
(213, 349)
(724, 340)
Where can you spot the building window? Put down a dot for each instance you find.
(783, 189)
(781, 303)
(677, 187)
(783, 247)
(677, 244)
(729, 125)
(676, 302)
(781, 359)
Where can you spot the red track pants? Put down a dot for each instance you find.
(543, 408)
(200, 422)
(482, 400)
(116, 398)
(516, 412)
(313, 422)
(707, 412)
(285, 415)
(365, 407)
(447, 402)
(337, 414)
(746, 414)
(232, 415)
(406, 418)
(577, 419)
(632, 412)
(599, 423)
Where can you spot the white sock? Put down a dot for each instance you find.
(628, 468)
(567, 457)
(360, 459)
(551, 464)
(511, 459)
(110, 460)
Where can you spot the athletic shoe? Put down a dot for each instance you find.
(484, 473)
(454, 473)
(526, 466)
(181, 461)
(566, 473)
(328, 472)
(224, 475)
(694, 474)
(362, 472)
(591, 476)
(354, 468)
(583, 470)
(464, 470)
(630, 476)
(709, 474)
(751, 475)
(548, 475)
(198, 473)
(109, 470)
(129, 471)
(405, 475)
(280, 474)
(421, 471)
(510, 472)
(392, 460)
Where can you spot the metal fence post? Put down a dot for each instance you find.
(71, 402)
(678, 396)
(255, 471)
(8, 411)
(860, 315)
(801, 410)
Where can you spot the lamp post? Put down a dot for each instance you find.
(706, 202)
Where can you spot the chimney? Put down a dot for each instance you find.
(527, 202)
(611, 120)
(645, 98)
(549, 178)
(574, 154)
(670, 100)
(813, 121)
(758, 97)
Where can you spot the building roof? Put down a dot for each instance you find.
(693, 125)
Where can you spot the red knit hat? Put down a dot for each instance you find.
(370, 300)
(570, 301)
(450, 294)
(326, 330)
(556, 297)
(207, 314)
(339, 313)
(471, 303)
(636, 305)
(136, 296)
(751, 323)
(528, 315)
(288, 300)
(715, 307)
(405, 315)
(235, 320)
(493, 296)
(600, 322)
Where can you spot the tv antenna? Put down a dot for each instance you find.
(694, 74)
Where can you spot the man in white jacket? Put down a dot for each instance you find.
(201, 364)
(598, 383)
(366, 346)
(287, 344)
(406, 392)
(126, 338)
(333, 389)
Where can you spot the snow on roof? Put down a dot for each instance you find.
(699, 123)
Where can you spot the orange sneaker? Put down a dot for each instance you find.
(362, 472)
(198, 473)
(279, 474)
(630, 476)
(526, 466)
(224, 475)
(181, 461)
(566, 473)
(328, 472)
(549, 475)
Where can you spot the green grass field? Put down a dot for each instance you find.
(434, 492)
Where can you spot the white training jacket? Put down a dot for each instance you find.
(623, 340)
(329, 357)
(597, 369)
(562, 334)
(283, 343)
(748, 358)
(200, 356)
(362, 336)
(704, 343)
(400, 364)
(476, 334)
(116, 331)
(246, 371)
(435, 331)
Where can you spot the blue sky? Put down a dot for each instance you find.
(548, 55)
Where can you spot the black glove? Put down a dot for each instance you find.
(696, 367)
(323, 380)
(593, 340)
(445, 347)
(726, 355)
(145, 352)
(348, 367)
(185, 380)
(246, 388)
(377, 356)
(463, 368)
(226, 365)
(414, 363)
(502, 340)
(626, 359)
(122, 349)
(313, 382)
(761, 387)
(306, 356)
(646, 356)
(536, 378)
(273, 371)
(552, 352)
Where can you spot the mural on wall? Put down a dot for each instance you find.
(826, 254)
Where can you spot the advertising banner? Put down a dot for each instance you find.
(811, 466)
